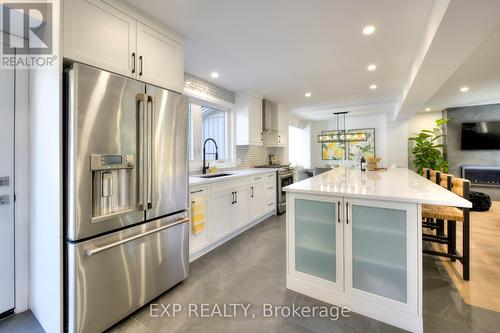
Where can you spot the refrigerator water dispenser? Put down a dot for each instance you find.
(111, 185)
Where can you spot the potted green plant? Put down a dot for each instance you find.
(427, 149)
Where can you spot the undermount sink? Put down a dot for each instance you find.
(216, 175)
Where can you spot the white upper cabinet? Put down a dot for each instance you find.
(99, 35)
(279, 136)
(108, 35)
(160, 59)
(249, 119)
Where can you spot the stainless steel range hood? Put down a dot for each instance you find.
(269, 116)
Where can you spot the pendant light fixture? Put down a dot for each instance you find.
(340, 135)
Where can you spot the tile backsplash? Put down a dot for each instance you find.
(250, 156)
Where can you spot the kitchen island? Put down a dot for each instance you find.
(355, 239)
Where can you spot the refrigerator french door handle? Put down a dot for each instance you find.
(150, 139)
(91, 252)
(141, 136)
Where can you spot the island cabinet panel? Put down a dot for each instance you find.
(381, 252)
(363, 253)
(317, 235)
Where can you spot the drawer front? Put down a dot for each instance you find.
(198, 192)
(269, 203)
(118, 273)
(270, 189)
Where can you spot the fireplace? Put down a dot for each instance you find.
(482, 176)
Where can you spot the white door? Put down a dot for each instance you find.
(315, 247)
(256, 200)
(198, 198)
(240, 211)
(100, 35)
(220, 215)
(255, 117)
(381, 252)
(6, 190)
(161, 59)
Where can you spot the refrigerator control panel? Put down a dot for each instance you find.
(111, 162)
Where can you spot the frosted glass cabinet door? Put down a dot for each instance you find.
(315, 238)
(379, 260)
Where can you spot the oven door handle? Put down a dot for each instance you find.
(286, 175)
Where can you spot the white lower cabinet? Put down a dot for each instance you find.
(380, 252)
(200, 239)
(256, 200)
(240, 208)
(231, 206)
(220, 215)
(356, 252)
(316, 251)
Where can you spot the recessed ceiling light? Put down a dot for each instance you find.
(371, 67)
(427, 109)
(373, 87)
(308, 94)
(464, 89)
(214, 75)
(369, 29)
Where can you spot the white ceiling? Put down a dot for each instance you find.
(283, 48)
(480, 72)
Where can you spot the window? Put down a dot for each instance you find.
(207, 121)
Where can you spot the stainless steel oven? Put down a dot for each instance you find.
(285, 178)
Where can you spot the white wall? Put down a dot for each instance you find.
(46, 285)
(299, 152)
(397, 144)
(422, 121)
(378, 121)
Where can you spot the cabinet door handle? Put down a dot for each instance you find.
(338, 212)
(232, 195)
(270, 187)
(133, 62)
(197, 191)
(251, 192)
(140, 65)
(236, 197)
(347, 212)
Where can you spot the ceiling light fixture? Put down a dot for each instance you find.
(427, 109)
(371, 67)
(214, 75)
(308, 94)
(368, 30)
(464, 89)
(373, 87)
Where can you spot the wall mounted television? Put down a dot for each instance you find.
(481, 135)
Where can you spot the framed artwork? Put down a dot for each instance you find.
(355, 149)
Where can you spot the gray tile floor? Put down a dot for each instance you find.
(250, 269)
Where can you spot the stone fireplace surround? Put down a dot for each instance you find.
(478, 158)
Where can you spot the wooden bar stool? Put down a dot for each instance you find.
(433, 224)
(460, 187)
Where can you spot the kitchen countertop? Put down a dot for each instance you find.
(236, 173)
(398, 184)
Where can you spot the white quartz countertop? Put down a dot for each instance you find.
(236, 173)
(399, 184)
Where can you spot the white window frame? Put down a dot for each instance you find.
(196, 164)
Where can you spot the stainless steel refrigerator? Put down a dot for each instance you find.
(126, 195)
